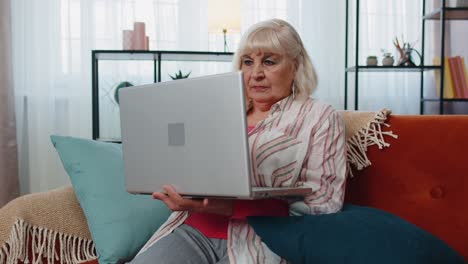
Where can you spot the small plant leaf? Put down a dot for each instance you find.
(179, 75)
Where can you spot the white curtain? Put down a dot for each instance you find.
(322, 28)
(52, 43)
(9, 182)
(53, 39)
(380, 22)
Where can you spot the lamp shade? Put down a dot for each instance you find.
(223, 14)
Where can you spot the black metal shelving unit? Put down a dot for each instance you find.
(441, 14)
(157, 56)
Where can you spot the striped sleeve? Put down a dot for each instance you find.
(324, 167)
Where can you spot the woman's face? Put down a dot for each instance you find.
(268, 77)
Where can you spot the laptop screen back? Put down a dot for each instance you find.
(188, 133)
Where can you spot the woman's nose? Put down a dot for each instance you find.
(258, 71)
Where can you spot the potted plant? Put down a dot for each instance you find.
(371, 60)
(406, 51)
(179, 75)
(118, 87)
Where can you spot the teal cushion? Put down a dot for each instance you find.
(120, 223)
(355, 235)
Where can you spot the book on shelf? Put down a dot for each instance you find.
(465, 71)
(463, 75)
(448, 84)
(453, 68)
(455, 78)
(458, 77)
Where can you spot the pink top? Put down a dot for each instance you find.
(216, 226)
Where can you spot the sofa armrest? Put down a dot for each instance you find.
(50, 224)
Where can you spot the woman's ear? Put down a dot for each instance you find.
(296, 65)
(295, 68)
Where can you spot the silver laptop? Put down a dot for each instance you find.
(191, 134)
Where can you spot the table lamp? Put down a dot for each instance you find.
(223, 15)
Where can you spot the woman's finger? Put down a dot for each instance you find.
(171, 192)
(183, 203)
(166, 200)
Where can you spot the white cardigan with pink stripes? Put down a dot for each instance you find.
(301, 143)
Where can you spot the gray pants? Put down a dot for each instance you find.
(185, 245)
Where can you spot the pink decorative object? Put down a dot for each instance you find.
(139, 36)
(127, 40)
(146, 43)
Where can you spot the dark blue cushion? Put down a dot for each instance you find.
(355, 235)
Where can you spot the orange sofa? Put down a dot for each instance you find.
(422, 177)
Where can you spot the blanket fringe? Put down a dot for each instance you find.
(370, 135)
(72, 249)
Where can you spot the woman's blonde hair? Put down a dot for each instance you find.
(278, 36)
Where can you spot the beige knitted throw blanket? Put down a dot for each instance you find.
(40, 221)
(364, 129)
(43, 220)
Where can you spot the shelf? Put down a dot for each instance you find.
(110, 67)
(165, 55)
(445, 100)
(440, 14)
(392, 68)
(451, 13)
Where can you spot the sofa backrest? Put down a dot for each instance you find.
(422, 176)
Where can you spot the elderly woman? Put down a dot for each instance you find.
(294, 140)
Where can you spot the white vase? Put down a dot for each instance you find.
(371, 61)
(388, 61)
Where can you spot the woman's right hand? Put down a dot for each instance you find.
(175, 202)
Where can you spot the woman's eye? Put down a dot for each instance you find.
(247, 62)
(269, 62)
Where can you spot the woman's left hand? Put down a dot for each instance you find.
(175, 202)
